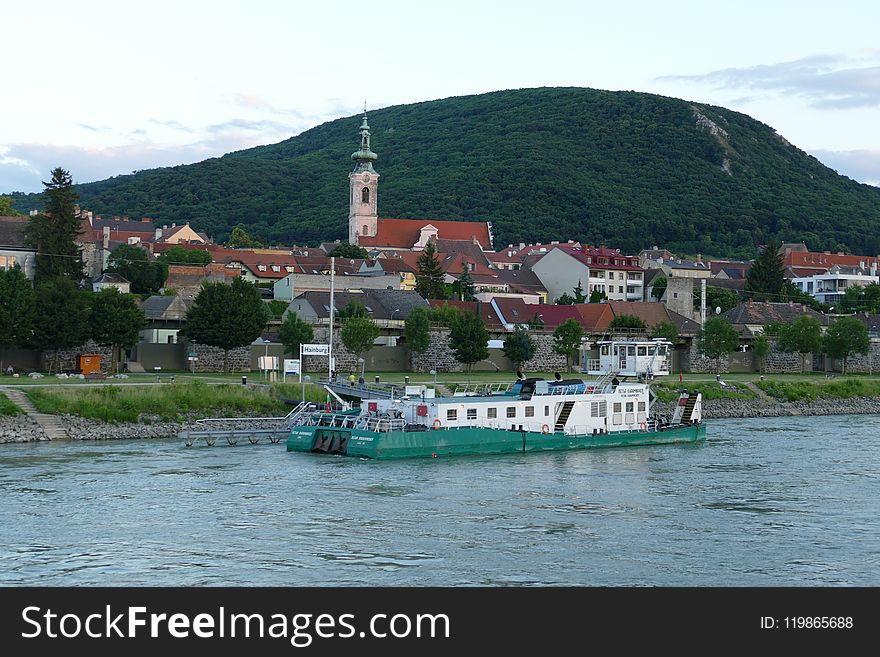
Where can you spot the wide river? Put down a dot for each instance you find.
(774, 501)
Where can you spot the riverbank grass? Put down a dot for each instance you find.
(667, 392)
(7, 407)
(167, 403)
(809, 391)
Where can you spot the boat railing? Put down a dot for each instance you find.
(586, 388)
(481, 389)
(363, 421)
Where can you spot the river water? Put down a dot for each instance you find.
(771, 501)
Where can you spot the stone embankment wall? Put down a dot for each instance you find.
(441, 358)
(68, 358)
(776, 362)
(210, 359)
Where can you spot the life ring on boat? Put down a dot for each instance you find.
(545, 429)
(643, 426)
(437, 423)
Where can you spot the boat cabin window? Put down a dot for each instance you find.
(491, 412)
(511, 411)
(641, 407)
(603, 350)
(617, 407)
(530, 411)
(472, 414)
(630, 351)
(643, 351)
(451, 414)
(546, 411)
(629, 407)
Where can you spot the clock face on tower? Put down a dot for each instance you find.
(366, 177)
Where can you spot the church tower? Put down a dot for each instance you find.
(363, 184)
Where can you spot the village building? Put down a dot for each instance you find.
(14, 248)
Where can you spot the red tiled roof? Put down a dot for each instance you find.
(453, 263)
(404, 233)
(827, 260)
(553, 315)
(595, 317)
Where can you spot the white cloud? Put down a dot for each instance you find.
(832, 81)
(861, 165)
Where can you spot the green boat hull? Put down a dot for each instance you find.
(470, 440)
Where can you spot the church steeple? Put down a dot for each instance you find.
(364, 157)
(363, 183)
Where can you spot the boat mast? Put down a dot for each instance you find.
(332, 312)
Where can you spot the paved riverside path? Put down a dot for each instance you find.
(52, 425)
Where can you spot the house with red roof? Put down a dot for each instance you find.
(368, 230)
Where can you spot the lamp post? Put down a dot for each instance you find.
(363, 364)
(266, 342)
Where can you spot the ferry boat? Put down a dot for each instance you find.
(530, 415)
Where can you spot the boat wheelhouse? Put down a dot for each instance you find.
(639, 358)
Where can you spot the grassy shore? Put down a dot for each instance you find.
(167, 402)
(829, 389)
(7, 407)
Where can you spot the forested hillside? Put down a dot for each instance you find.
(622, 168)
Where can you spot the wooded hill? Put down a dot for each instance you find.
(622, 168)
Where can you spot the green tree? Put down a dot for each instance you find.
(658, 289)
(429, 279)
(766, 277)
(116, 322)
(239, 239)
(417, 331)
(716, 297)
(226, 316)
(627, 322)
(54, 232)
(17, 307)
(597, 296)
(352, 310)
(519, 347)
(536, 323)
(346, 250)
(295, 332)
(565, 300)
(760, 349)
(177, 255)
(717, 338)
(579, 296)
(790, 292)
(803, 336)
(469, 340)
(6, 208)
(861, 299)
(846, 337)
(358, 335)
(465, 285)
(61, 318)
(444, 315)
(665, 329)
(134, 264)
(567, 340)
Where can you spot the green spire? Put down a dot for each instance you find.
(364, 157)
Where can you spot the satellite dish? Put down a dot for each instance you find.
(717, 310)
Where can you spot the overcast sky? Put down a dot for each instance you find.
(105, 88)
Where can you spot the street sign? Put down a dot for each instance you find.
(315, 349)
(291, 366)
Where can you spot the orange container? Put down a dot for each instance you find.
(90, 363)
